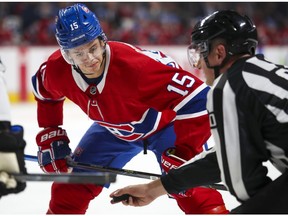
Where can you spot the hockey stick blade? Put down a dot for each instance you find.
(83, 178)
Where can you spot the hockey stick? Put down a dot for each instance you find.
(92, 178)
(118, 171)
(83, 178)
(98, 168)
(30, 158)
(126, 172)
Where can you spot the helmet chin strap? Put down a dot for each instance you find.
(216, 71)
(217, 67)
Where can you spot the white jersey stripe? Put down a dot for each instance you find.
(262, 64)
(190, 116)
(232, 141)
(262, 83)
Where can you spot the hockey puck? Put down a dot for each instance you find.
(116, 199)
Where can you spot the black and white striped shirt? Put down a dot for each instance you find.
(248, 109)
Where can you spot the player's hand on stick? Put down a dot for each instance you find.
(53, 146)
(12, 147)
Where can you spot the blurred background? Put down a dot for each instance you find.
(27, 31)
(143, 23)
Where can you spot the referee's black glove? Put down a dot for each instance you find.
(12, 147)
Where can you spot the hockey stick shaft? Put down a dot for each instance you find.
(126, 172)
(118, 171)
(30, 158)
(83, 178)
(98, 168)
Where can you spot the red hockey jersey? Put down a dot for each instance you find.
(141, 92)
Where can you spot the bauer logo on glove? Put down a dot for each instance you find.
(50, 134)
(53, 146)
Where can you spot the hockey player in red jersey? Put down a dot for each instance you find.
(139, 99)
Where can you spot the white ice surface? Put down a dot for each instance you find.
(34, 200)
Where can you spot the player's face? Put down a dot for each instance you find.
(89, 58)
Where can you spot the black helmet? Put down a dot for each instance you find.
(239, 32)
